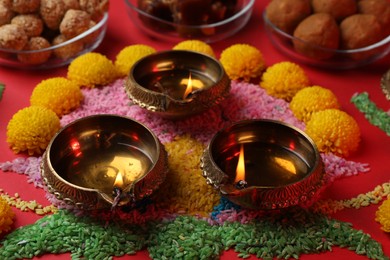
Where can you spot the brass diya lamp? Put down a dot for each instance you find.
(263, 164)
(103, 161)
(177, 83)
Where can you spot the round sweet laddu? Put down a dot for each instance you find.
(35, 43)
(6, 14)
(287, 14)
(339, 9)
(32, 24)
(358, 31)
(67, 51)
(52, 12)
(25, 7)
(379, 8)
(13, 37)
(74, 23)
(317, 30)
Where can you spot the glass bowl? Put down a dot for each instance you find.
(58, 55)
(332, 58)
(175, 32)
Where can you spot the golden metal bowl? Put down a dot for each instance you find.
(159, 82)
(282, 165)
(93, 159)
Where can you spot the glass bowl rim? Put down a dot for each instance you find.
(97, 26)
(240, 13)
(381, 43)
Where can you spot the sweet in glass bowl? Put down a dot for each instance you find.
(318, 56)
(174, 21)
(56, 55)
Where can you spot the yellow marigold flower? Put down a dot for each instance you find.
(284, 80)
(195, 45)
(334, 131)
(58, 94)
(130, 55)
(31, 129)
(242, 61)
(92, 69)
(383, 215)
(6, 216)
(312, 99)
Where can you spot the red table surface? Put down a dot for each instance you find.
(374, 148)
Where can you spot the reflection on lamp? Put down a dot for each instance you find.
(286, 165)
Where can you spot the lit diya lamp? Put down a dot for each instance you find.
(103, 161)
(263, 164)
(177, 83)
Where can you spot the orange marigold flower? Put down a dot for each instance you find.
(382, 215)
(284, 80)
(334, 131)
(312, 99)
(242, 61)
(58, 94)
(6, 216)
(195, 45)
(130, 55)
(31, 129)
(92, 69)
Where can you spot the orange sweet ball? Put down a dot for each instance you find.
(284, 80)
(334, 131)
(312, 99)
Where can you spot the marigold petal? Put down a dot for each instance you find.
(284, 79)
(312, 99)
(195, 45)
(92, 69)
(334, 131)
(6, 216)
(58, 94)
(31, 129)
(382, 215)
(130, 55)
(242, 61)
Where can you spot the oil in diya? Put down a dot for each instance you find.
(263, 164)
(176, 84)
(103, 161)
(106, 169)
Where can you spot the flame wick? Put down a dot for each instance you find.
(240, 170)
(118, 183)
(189, 87)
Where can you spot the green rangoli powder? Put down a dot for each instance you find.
(374, 115)
(283, 234)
